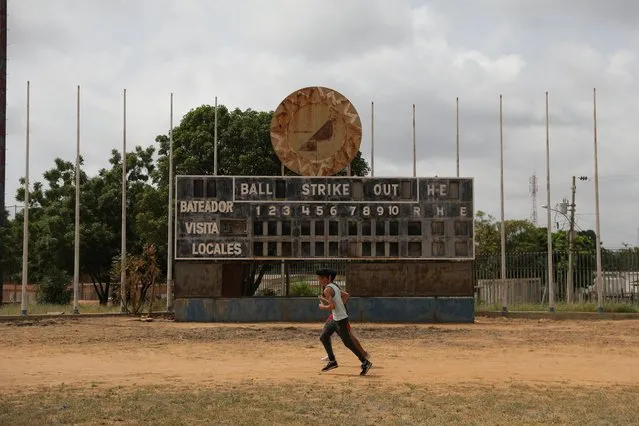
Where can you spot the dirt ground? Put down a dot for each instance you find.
(126, 352)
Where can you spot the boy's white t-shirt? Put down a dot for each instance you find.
(339, 313)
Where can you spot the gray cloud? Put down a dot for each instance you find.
(254, 53)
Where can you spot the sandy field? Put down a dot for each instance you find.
(494, 371)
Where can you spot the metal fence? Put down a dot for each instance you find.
(526, 278)
(297, 278)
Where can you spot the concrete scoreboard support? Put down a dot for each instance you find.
(408, 242)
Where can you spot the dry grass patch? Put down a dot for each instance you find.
(339, 403)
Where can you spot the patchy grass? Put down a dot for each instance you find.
(37, 308)
(339, 403)
(562, 307)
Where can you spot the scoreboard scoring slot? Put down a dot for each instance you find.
(243, 218)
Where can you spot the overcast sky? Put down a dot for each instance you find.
(395, 53)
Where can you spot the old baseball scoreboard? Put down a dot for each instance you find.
(402, 237)
(261, 218)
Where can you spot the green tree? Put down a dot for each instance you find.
(54, 288)
(52, 218)
(11, 249)
(521, 235)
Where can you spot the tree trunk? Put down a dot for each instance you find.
(252, 278)
(100, 290)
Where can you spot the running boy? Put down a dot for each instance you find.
(333, 296)
(345, 296)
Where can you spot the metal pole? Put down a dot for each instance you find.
(76, 254)
(123, 231)
(3, 127)
(372, 139)
(283, 283)
(25, 230)
(571, 239)
(597, 229)
(169, 259)
(215, 142)
(414, 146)
(551, 287)
(504, 290)
(457, 100)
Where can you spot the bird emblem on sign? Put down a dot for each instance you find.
(324, 134)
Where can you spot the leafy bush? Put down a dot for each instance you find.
(54, 288)
(269, 292)
(302, 289)
(142, 272)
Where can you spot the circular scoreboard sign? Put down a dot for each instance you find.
(316, 131)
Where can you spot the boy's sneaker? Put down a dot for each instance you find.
(365, 367)
(330, 365)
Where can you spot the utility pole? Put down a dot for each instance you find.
(571, 239)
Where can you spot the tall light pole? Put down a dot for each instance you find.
(169, 260)
(457, 136)
(215, 141)
(25, 225)
(414, 145)
(597, 229)
(76, 253)
(504, 289)
(123, 222)
(372, 139)
(551, 287)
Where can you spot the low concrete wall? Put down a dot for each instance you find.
(305, 309)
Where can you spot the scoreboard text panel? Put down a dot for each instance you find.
(240, 217)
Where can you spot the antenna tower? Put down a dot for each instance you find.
(534, 188)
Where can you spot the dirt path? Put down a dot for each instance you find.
(123, 351)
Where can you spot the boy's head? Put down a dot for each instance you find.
(325, 276)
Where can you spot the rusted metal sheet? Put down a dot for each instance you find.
(395, 279)
(197, 279)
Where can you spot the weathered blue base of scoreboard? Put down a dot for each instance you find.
(304, 309)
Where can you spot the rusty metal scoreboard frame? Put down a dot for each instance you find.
(225, 218)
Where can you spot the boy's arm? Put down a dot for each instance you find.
(345, 296)
(328, 293)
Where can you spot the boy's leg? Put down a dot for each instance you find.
(359, 345)
(347, 339)
(328, 323)
(356, 341)
(330, 327)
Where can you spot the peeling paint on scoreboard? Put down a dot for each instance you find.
(350, 218)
